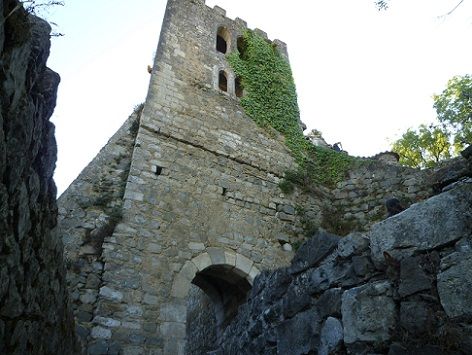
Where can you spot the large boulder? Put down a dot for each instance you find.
(434, 223)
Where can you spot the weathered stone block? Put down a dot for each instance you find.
(424, 226)
(100, 333)
(99, 347)
(352, 244)
(313, 251)
(111, 294)
(173, 313)
(243, 264)
(174, 330)
(202, 261)
(304, 330)
(180, 287)
(329, 303)
(286, 209)
(368, 313)
(412, 277)
(217, 256)
(196, 246)
(90, 296)
(415, 317)
(455, 284)
(150, 299)
(362, 265)
(285, 216)
(331, 336)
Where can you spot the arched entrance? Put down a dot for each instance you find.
(224, 276)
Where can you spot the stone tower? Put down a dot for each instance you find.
(198, 203)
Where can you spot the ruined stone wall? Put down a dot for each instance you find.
(400, 288)
(35, 315)
(360, 199)
(88, 212)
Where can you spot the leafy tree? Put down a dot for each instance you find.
(428, 145)
(424, 147)
(454, 108)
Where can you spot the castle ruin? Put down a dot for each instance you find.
(167, 228)
(200, 201)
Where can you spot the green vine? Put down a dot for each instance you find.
(270, 99)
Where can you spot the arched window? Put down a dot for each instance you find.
(223, 81)
(222, 40)
(238, 87)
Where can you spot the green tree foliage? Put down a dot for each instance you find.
(424, 147)
(454, 108)
(428, 145)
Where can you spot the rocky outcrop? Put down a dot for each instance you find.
(401, 288)
(35, 316)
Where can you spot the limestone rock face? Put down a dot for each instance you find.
(35, 316)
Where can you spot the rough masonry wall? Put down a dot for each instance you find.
(360, 199)
(35, 316)
(88, 212)
(203, 182)
(400, 288)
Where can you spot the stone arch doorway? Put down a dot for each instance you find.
(223, 275)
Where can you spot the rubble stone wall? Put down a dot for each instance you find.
(360, 199)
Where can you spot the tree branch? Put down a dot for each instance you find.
(453, 9)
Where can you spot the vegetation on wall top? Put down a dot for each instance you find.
(270, 99)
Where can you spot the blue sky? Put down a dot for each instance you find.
(362, 76)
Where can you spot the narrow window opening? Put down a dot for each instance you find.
(223, 81)
(224, 191)
(241, 44)
(221, 45)
(222, 40)
(157, 170)
(238, 87)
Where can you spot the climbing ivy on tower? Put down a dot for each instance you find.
(270, 99)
